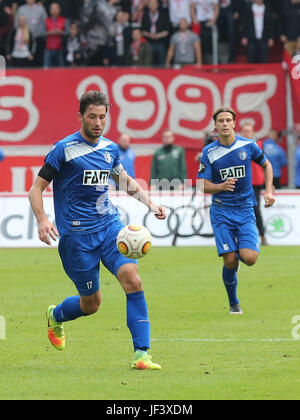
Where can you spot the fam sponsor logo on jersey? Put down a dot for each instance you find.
(95, 177)
(233, 172)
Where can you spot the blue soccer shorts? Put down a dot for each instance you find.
(81, 256)
(234, 229)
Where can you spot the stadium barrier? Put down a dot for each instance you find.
(187, 223)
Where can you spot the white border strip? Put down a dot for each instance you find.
(225, 340)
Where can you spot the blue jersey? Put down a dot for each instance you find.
(81, 186)
(127, 158)
(297, 167)
(276, 156)
(220, 162)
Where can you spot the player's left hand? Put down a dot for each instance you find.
(269, 199)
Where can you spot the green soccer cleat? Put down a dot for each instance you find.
(56, 332)
(143, 361)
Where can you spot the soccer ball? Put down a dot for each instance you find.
(134, 241)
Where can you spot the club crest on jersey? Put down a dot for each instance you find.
(107, 157)
(95, 177)
(233, 172)
(243, 155)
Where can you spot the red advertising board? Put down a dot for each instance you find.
(293, 64)
(39, 107)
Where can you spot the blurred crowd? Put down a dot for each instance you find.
(162, 33)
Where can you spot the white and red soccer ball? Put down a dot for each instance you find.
(134, 241)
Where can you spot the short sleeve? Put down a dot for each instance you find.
(205, 169)
(2, 156)
(56, 157)
(117, 165)
(258, 155)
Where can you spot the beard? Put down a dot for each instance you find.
(89, 133)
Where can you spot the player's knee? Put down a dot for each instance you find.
(249, 257)
(134, 283)
(230, 261)
(250, 260)
(130, 279)
(231, 265)
(137, 283)
(91, 309)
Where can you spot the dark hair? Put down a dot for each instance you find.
(93, 97)
(224, 109)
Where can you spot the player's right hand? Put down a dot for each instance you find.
(229, 184)
(46, 231)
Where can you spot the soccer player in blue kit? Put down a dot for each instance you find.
(226, 172)
(88, 225)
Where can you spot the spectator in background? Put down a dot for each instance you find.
(127, 158)
(164, 4)
(168, 170)
(140, 51)
(127, 155)
(73, 53)
(120, 5)
(6, 23)
(229, 13)
(137, 10)
(95, 27)
(70, 9)
(20, 44)
(122, 37)
(290, 24)
(15, 5)
(36, 16)
(257, 32)
(258, 182)
(205, 12)
(276, 155)
(55, 30)
(179, 9)
(297, 164)
(297, 51)
(155, 28)
(208, 139)
(185, 46)
(2, 155)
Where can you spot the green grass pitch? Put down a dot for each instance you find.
(205, 353)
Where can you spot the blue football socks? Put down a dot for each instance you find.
(138, 321)
(137, 317)
(68, 310)
(230, 282)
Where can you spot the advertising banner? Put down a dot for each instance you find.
(38, 108)
(187, 223)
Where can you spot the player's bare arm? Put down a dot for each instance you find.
(211, 188)
(133, 189)
(268, 174)
(46, 229)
